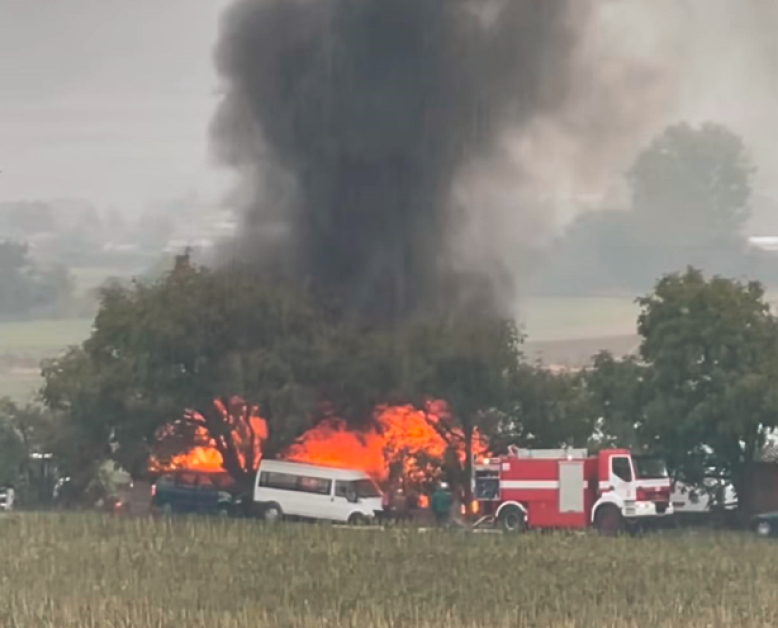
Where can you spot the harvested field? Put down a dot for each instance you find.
(78, 571)
(24, 345)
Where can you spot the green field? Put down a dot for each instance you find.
(24, 345)
(572, 326)
(574, 318)
(559, 330)
(43, 335)
(79, 571)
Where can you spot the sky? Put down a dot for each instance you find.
(110, 100)
(107, 100)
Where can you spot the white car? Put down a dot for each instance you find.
(6, 499)
(697, 499)
(315, 492)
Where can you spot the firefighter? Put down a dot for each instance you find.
(441, 503)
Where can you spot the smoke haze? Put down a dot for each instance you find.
(411, 154)
(352, 121)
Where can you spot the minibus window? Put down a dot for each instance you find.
(281, 481)
(318, 486)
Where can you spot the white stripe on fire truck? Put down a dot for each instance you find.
(539, 485)
(530, 484)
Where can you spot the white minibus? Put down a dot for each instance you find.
(315, 492)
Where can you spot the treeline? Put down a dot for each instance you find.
(689, 202)
(702, 392)
(29, 289)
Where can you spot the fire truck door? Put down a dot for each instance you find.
(571, 486)
(622, 479)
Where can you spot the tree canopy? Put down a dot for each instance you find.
(26, 288)
(692, 186)
(690, 191)
(197, 356)
(712, 348)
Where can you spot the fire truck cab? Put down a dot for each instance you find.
(567, 489)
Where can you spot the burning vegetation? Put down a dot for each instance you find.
(228, 441)
(403, 444)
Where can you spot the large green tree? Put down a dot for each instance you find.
(195, 352)
(692, 186)
(712, 345)
(546, 409)
(471, 365)
(691, 194)
(618, 392)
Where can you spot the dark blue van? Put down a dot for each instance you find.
(193, 492)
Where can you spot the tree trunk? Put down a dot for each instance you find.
(220, 431)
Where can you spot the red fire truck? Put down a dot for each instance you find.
(568, 489)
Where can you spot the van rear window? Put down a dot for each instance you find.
(187, 479)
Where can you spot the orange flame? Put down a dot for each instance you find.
(402, 442)
(247, 430)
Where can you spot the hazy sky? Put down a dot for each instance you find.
(110, 100)
(105, 99)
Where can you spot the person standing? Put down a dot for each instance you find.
(441, 504)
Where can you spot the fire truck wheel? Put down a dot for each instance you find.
(512, 519)
(609, 521)
(272, 513)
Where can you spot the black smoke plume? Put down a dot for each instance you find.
(350, 121)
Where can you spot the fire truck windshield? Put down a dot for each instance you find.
(649, 468)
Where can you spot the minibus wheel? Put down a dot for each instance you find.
(272, 513)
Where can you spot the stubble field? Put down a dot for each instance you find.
(79, 571)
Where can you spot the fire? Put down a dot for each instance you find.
(402, 442)
(246, 429)
(196, 459)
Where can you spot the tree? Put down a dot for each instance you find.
(12, 450)
(25, 288)
(470, 365)
(25, 431)
(546, 410)
(712, 346)
(692, 186)
(691, 197)
(618, 394)
(195, 355)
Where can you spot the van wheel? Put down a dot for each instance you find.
(512, 519)
(223, 512)
(763, 528)
(166, 509)
(272, 513)
(357, 519)
(609, 521)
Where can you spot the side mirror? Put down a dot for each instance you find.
(352, 497)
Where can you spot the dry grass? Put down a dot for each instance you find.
(85, 571)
